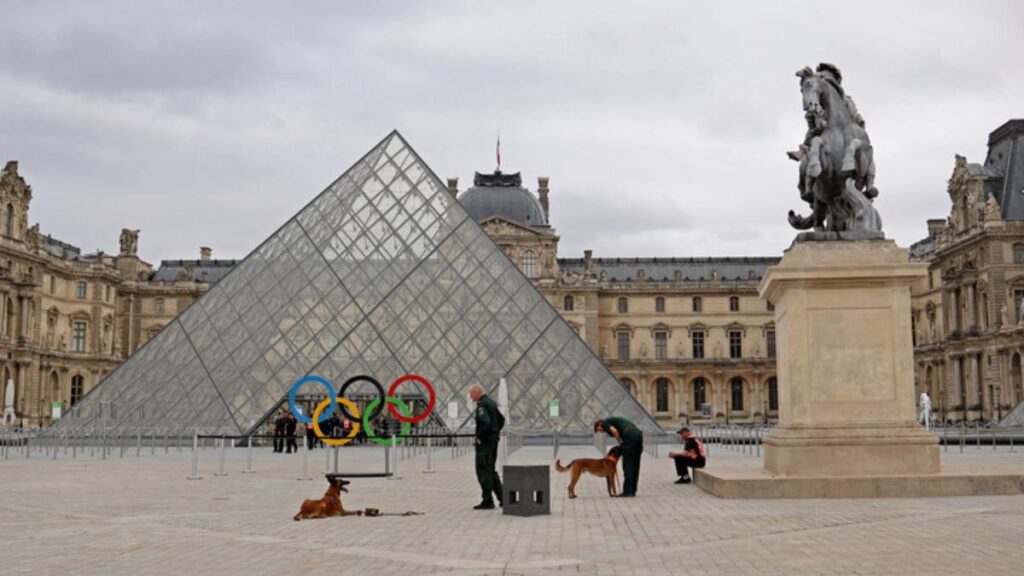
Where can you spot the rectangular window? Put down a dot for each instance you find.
(623, 339)
(80, 290)
(734, 303)
(698, 304)
(735, 344)
(659, 304)
(771, 343)
(53, 285)
(698, 344)
(79, 336)
(661, 345)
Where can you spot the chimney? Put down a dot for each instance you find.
(935, 226)
(204, 253)
(453, 187)
(542, 191)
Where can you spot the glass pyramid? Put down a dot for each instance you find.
(383, 274)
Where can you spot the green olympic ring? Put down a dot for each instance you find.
(370, 434)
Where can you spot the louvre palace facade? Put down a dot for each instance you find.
(689, 337)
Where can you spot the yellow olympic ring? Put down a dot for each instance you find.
(335, 441)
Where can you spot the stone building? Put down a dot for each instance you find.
(967, 316)
(689, 337)
(68, 318)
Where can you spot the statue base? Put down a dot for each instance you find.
(845, 361)
(838, 236)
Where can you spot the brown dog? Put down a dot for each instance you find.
(329, 505)
(607, 468)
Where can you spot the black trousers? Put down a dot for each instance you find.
(291, 444)
(632, 448)
(684, 463)
(278, 442)
(486, 475)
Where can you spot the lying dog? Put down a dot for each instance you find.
(329, 505)
(607, 467)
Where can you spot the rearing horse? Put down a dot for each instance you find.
(837, 169)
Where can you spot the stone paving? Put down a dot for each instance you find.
(141, 516)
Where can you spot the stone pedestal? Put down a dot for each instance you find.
(845, 361)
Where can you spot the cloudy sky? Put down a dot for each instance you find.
(662, 125)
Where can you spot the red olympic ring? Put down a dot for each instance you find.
(430, 405)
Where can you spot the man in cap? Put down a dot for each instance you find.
(693, 455)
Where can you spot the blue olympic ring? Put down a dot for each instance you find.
(295, 409)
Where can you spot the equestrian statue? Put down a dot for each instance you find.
(837, 168)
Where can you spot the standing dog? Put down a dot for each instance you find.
(329, 505)
(607, 468)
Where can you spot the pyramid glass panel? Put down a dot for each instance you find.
(382, 274)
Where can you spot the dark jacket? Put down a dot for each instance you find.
(489, 421)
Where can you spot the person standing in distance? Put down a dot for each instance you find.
(489, 423)
(631, 439)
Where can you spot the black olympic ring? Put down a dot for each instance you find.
(380, 392)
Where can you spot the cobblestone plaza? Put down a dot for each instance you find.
(64, 517)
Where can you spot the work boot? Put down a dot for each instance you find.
(484, 506)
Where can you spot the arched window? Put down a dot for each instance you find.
(627, 384)
(1018, 253)
(661, 395)
(773, 394)
(699, 393)
(698, 303)
(734, 303)
(736, 390)
(77, 388)
(567, 304)
(659, 304)
(530, 264)
(158, 305)
(623, 305)
(9, 221)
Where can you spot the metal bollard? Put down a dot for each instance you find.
(165, 443)
(977, 436)
(220, 465)
(961, 438)
(195, 458)
(248, 459)
(1011, 441)
(394, 455)
(327, 461)
(335, 450)
(430, 469)
(103, 445)
(138, 443)
(760, 439)
(305, 461)
(945, 439)
(993, 439)
(152, 443)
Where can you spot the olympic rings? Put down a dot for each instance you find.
(344, 402)
(295, 389)
(396, 407)
(392, 401)
(430, 404)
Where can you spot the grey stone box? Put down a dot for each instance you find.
(527, 490)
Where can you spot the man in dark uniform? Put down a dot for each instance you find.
(631, 440)
(489, 423)
(290, 424)
(692, 456)
(279, 432)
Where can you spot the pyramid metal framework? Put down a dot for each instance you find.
(384, 273)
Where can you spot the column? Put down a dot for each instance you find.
(974, 390)
(970, 320)
(957, 383)
(949, 302)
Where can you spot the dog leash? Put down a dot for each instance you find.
(373, 512)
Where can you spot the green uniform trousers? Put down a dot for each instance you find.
(632, 447)
(486, 475)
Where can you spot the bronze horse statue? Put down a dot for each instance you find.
(837, 168)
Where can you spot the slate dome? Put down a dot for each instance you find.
(502, 195)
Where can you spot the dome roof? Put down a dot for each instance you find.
(502, 195)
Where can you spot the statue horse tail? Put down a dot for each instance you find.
(801, 222)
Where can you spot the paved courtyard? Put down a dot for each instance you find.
(139, 515)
